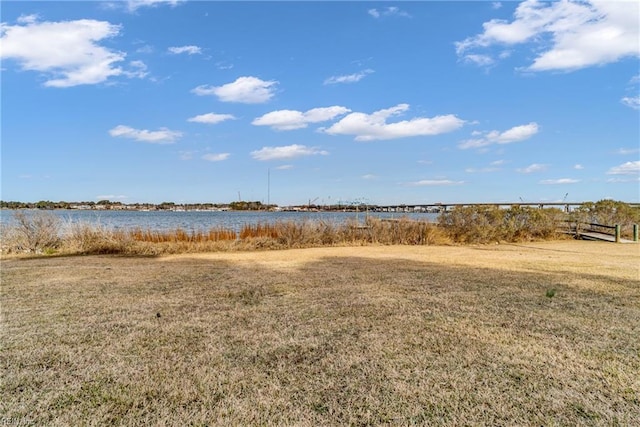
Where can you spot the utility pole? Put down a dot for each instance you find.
(268, 187)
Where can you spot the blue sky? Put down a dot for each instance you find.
(378, 102)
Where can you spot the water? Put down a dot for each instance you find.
(201, 220)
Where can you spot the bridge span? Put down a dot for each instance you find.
(444, 207)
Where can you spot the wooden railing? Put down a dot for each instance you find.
(579, 229)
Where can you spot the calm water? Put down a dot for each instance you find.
(202, 220)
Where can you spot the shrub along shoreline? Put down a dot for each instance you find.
(44, 233)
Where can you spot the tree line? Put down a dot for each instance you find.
(108, 204)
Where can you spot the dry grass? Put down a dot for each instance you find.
(42, 233)
(396, 335)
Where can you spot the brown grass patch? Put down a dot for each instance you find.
(329, 336)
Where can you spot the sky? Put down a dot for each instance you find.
(293, 102)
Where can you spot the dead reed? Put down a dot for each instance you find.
(180, 235)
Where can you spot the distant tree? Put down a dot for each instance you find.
(44, 204)
(166, 205)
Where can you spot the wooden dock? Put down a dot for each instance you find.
(604, 237)
(601, 232)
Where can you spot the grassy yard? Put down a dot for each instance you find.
(531, 334)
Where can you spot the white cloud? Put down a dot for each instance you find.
(515, 134)
(629, 168)
(246, 90)
(134, 5)
(479, 60)
(492, 168)
(161, 136)
(481, 170)
(224, 65)
(27, 19)
(211, 118)
(565, 35)
(616, 180)
(67, 52)
(189, 50)
(578, 167)
(436, 182)
(388, 11)
(631, 101)
(292, 119)
(284, 167)
(286, 152)
(350, 78)
(535, 167)
(138, 70)
(216, 157)
(370, 127)
(559, 181)
(369, 177)
(374, 13)
(145, 49)
(186, 155)
(496, 5)
(625, 151)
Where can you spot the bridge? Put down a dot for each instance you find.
(444, 207)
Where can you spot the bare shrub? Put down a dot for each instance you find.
(527, 223)
(485, 224)
(472, 224)
(36, 232)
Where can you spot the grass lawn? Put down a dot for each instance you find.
(527, 334)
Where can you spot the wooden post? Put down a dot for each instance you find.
(635, 232)
(617, 233)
